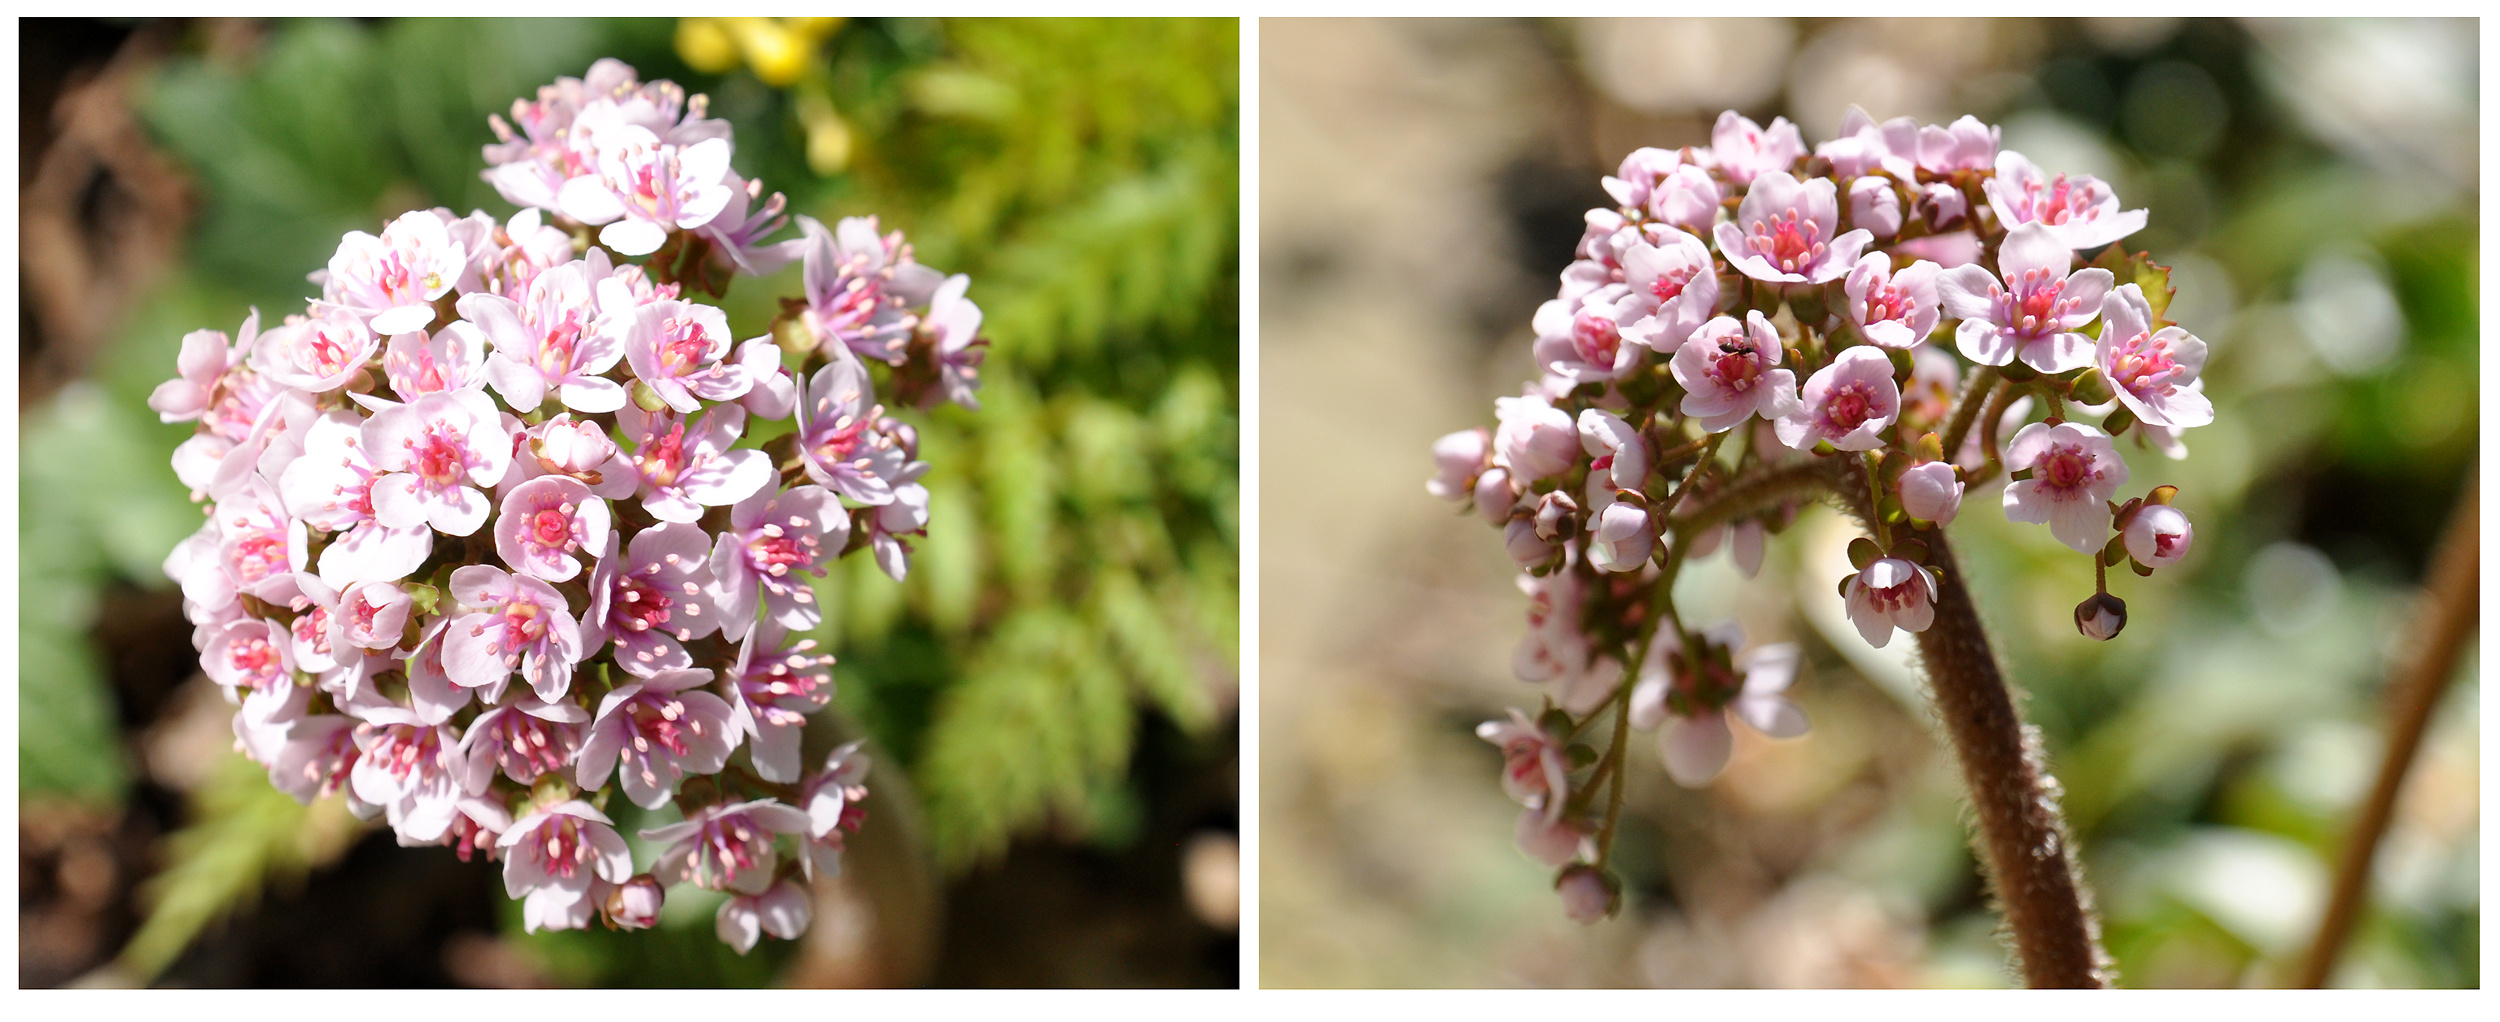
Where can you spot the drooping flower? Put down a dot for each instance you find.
(1728, 373)
(1931, 492)
(1533, 764)
(781, 911)
(1891, 593)
(1849, 404)
(1744, 545)
(1701, 689)
(858, 285)
(725, 847)
(514, 623)
(2079, 212)
(906, 515)
(436, 453)
(834, 799)
(953, 332)
(1893, 310)
(652, 601)
(772, 540)
(1746, 151)
(1557, 650)
(2158, 535)
(409, 769)
(839, 442)
(2036, 313)
(652, 732)
(526, 738)
(551, 859)
(1786, 232)
(2074, 471)
(772, 688)
(2153, 372)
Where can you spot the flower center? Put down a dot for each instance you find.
(257, 660)
(553, 527)
(2035, 306)
(640, 605)
(2143, 365)
(1672, 283)
(662, 457)
(1596, 338)
(1848, 407)
(1789, 241)
(2066, 468)
(1886, 302)
(687, 345)
(438, 456)
(1736, 368)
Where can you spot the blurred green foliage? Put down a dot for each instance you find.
(1081, 563)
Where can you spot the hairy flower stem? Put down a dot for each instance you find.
(2446, 625)
(2022, 836)
(1757, 492)
(1974, 394)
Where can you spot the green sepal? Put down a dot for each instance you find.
(2119, 419)
(1863, 552)
(1581, 755)
(2140, 270)
(2116, 551)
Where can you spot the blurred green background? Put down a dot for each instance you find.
(2313, 183)
(1051, 693)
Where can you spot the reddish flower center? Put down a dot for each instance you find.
(662, 457)
(1672, 283)
(2143, 364)
(1848, 406)
(2065, 468)
(1596, 338)
(1790, 242)
(1736, 368)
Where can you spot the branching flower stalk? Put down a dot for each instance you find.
(1813, 305)
(493, 451)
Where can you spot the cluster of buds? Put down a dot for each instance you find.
(1813, 304)
(492, 451)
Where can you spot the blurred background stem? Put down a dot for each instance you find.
(2447, 620)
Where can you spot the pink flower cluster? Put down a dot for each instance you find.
(1841, 312)
(483, 545)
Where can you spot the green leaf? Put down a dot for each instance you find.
(2140, 270)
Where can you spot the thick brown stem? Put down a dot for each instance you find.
(2022, 838)
(2448, 614)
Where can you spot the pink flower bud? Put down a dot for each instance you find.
(1585, 896)
(1459, 457)
(1494, 496)
(2101, 617)
(1520, 538)
(1872, 205)
(1930, 492)
(635, 904)
(572, 448)
(1556, 513)
(2158, 535)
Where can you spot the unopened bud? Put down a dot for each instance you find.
(1587, 894)
(2101, 617)
(635, 904)
(1557, 517)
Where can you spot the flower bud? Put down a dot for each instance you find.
(2101, 617)
(1494, 497)
(635, 904)
(1930, 492)
(2158, 535)
(1458, 456)
(570, 448)
(1586, 896)
(1557, 515)
(1520, 538)
(1873, 206)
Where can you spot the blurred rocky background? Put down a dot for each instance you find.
(2314, 185)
